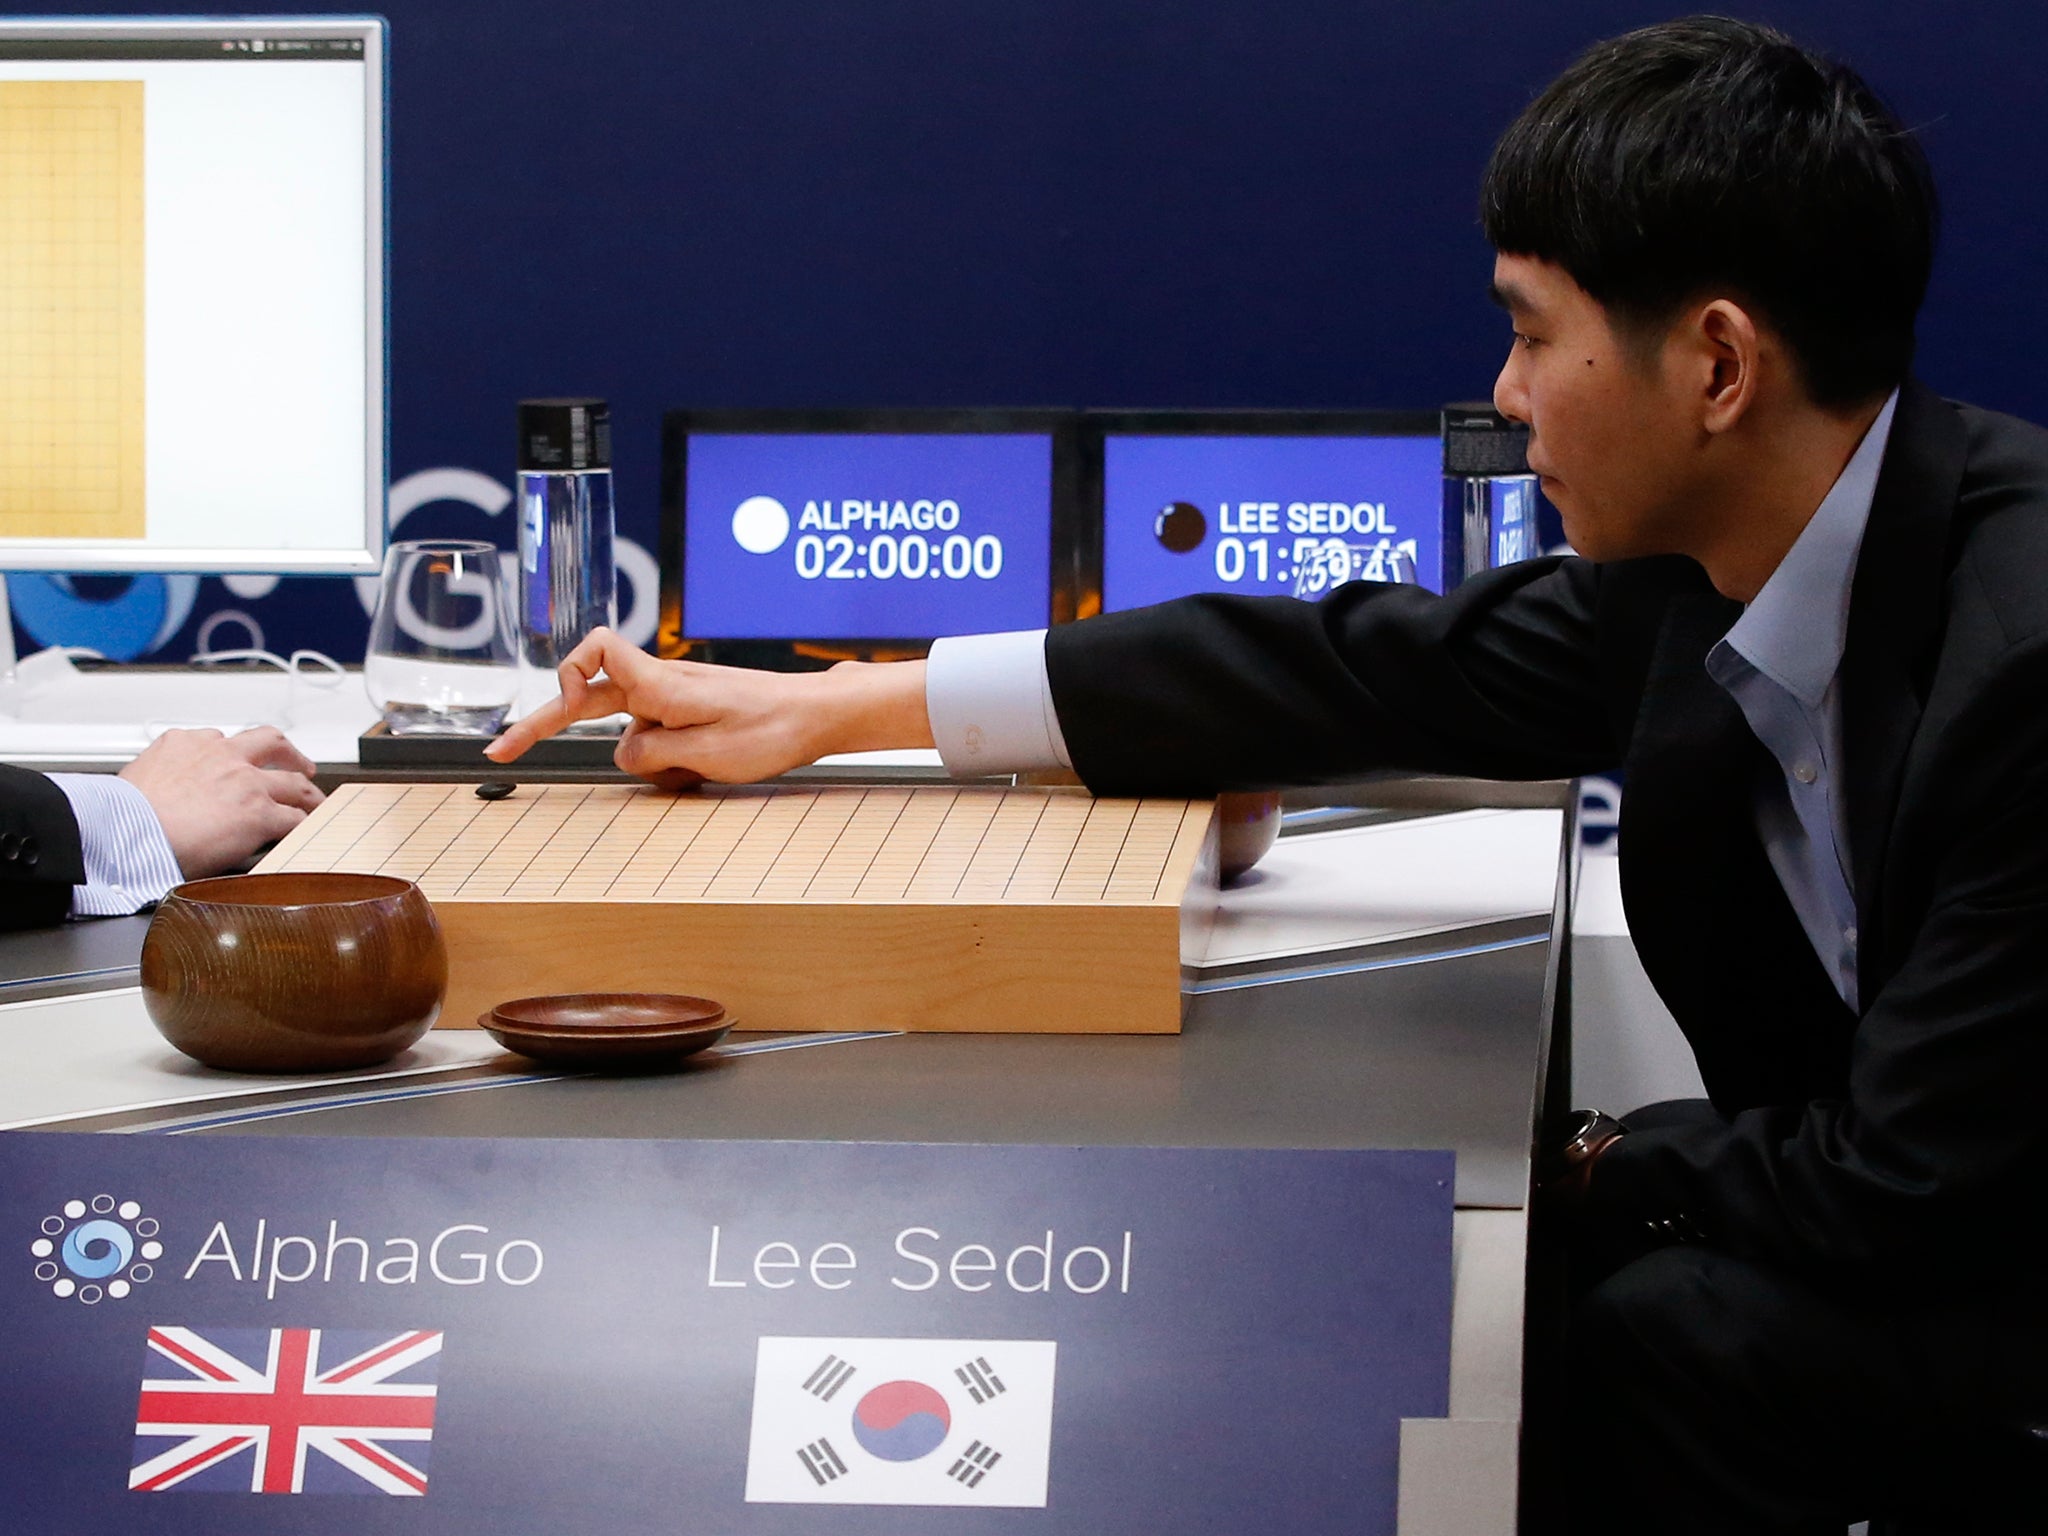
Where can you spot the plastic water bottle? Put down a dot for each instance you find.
(1490, 498)
(567, 583)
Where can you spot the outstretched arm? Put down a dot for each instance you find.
(692, 722)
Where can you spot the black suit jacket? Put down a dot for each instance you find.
(40, 859)
(1912, 1140)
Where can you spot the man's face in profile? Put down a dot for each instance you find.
(1610, 437)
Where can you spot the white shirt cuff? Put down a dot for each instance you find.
(128, 860)
(990, 704)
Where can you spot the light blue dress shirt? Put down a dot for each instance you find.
(128, 860)
(1781, 664)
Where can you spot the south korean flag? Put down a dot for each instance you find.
(901, 1421)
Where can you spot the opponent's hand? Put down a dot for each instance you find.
(692, 722)
(220, 798)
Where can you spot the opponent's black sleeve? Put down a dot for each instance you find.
(40, 856)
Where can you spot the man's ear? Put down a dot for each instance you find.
(1729, 350)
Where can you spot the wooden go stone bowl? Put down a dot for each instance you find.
(1247, 824)
(294, 972)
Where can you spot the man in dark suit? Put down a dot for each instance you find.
(1811, 619)
(193, 803)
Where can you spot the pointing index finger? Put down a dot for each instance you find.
(596, 680)
(595, 700)
(517, 737)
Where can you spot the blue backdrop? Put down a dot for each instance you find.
(1049, 202)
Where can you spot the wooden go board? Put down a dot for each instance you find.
(930, 908)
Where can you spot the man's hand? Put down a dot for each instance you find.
(693, 722)
(220, 798)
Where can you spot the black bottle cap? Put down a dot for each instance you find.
(565, 434)
(1478, 440)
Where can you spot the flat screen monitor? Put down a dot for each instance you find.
(192, 281)
(1270, 503)
(863, 531)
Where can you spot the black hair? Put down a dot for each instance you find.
(1710, 156)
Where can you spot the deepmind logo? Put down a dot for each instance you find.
(96, 1250)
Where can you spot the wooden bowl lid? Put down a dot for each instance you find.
(585, 1014)
(586, 1042)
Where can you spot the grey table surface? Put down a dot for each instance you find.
(1431, 1053)
(74, 957)
(1432, 1045)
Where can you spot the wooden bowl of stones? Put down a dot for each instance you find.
(1247, 824)
(305, 972)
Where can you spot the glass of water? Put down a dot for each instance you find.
(441, 658)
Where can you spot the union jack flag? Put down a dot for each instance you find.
(265, 1394)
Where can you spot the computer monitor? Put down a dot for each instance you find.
(1271, 503)
(192, 294)
(862, 532)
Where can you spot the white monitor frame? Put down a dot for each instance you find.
(361, 555)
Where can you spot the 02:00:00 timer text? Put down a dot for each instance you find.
(837, 557)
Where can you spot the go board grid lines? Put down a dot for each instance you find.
(71, 309)
(860, 844)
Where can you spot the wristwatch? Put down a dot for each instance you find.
(1586, 1134)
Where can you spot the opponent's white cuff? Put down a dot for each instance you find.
(991, 705)
(128, 860)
